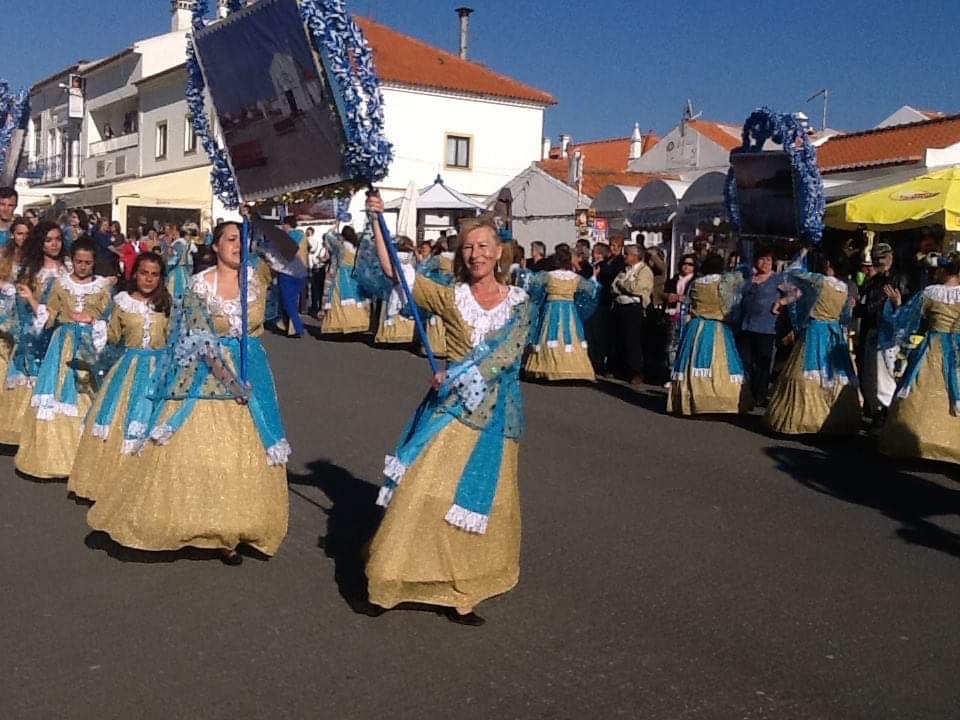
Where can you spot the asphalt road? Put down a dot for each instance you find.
(671, 569)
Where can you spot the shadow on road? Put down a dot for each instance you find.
(96, 540)
(352, 520)
(852, 471)
(649, 397)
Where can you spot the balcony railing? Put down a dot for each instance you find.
(120, 142)
(49, 169)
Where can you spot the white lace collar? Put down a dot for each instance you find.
(836, 283)
(97, 284)
(349, 245)
(707, 279)
(129, 304)
(447, 255)
(946, 294)
(564, 274)
(483, 322)
(217, 305)
(46, 273)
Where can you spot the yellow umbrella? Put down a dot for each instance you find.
(932, 199)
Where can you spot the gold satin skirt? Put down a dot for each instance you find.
(717, 393)
(417, 556)
(921, 425)
(354, 317)
(553, 360)
(96, 456)
(209, 487)
(397, 330)
(48, 447)
(437, 335)
(14, 404)
(801, 405)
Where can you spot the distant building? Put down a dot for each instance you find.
(909, 114)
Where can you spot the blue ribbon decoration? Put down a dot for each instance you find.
(14, 115)
(783, 128)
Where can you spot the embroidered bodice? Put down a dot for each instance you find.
(562, 284)
(941, 307)
(136, 325)
(226, 314)
(831, 301)
(69, 296)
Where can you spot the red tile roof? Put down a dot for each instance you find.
(726, 136)
(612, 154)
(402, 59)
(595, 180)
(896, 145)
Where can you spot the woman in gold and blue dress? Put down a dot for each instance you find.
(560, 348)
(924, 419)
(816, 391)
(438, 268)
(396, 328)
(63, 392)
(117, 422)
(11, 256)
(345, 309)
(708, 374)
(41, 262)
(451, 533)
(214, 472)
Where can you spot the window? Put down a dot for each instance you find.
(189, 137)
(101, 168)
(37, 138)
(161, 149)
(458, 151)
(121, 165)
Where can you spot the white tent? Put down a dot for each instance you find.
(439, 196)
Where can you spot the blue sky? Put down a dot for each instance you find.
(611, 63)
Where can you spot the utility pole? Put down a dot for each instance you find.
(826, 97)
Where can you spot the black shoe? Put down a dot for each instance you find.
(471, 618)
(231, 557)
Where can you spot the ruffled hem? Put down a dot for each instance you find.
(20, 381)
(278, 453)
(468, 520)
(100, 431)
(48, 407)
(703, 372)
(161, 434)
(840, 378)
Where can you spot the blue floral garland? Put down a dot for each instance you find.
(784, 129)
(14, 115)
(339, 39)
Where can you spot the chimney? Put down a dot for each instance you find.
(636, 143)
(464, 14)
(564, 145)
(181, 15)
(575, 173)
(545, 149)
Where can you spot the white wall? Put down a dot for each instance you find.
(162, 99)
(689, 152)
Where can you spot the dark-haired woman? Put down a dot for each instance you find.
(924, 419)
(117, 422)
(708, 374)
(214, 475)
(345, 309)
(63, 394)
(560, 346)
(41, 262)
(817, 388)
(451, 533)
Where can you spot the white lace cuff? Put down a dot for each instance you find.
(99, 335)
(40, 318)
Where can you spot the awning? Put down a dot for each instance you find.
(656, 203)
(439, 197)
(931, 199)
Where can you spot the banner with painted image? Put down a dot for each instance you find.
(277, 110)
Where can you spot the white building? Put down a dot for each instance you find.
(908, 114)
(135, 156)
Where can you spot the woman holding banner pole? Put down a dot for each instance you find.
(451, 533)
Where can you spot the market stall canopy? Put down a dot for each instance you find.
(614, 200)
(931, 199)
(439, 197)
(656, 203)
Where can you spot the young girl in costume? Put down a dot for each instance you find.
(41, 262)
(708, 373)
(560, 349)
(63, 394)
(10, 258)
(345, 309)
(178, 261)
(117, 422)
(214, 474)
(816, 391)
(451, 533)
(439, 269)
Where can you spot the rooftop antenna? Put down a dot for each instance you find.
(826, 96)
